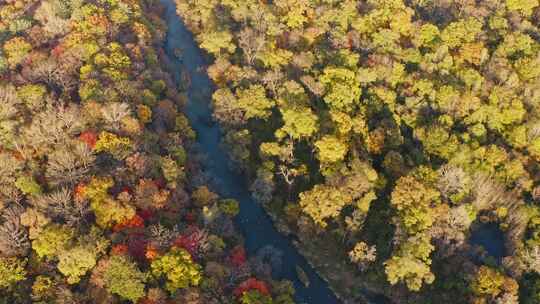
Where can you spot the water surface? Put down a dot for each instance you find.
(491, 237)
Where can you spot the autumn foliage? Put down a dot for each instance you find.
(251, 284)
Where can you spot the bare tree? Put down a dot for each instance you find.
(313, 85)
(272, 79)
(452, 180)
(225, 110)
(13, 236)
(251, 43)
(62, 206)
(162, 235)
(54, 127)
(531, 258)
(114, 112)
(487, 193)
(68, 165)
(8, 102)
(56, 75)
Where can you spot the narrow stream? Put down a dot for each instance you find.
(253, 222)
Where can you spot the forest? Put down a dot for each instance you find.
(383, 135)
(395, 143)
(103, 198)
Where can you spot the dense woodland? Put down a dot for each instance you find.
(381, 133)
(102, 199)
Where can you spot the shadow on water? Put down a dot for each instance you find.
(490, 237)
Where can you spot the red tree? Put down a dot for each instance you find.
(137, 246)
(135, 222)
(89, 137)
(120, 249)
(190, 241)
(251, 284)
(238, 256)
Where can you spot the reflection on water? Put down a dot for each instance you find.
(490, 237)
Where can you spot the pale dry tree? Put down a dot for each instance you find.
(263, 187)
(63, 295)
(530, 256)
(225, 109)
(61, 205)
(489, 195)
(156, 295)
(8, 102)
(251, 43)
(47, 15)
(516, 220)
(507, 298)
(313, 85)
(452, 180)
(54, 127)
(272, 80)
(69, 164)
(113, 113)
(10, 118)
(355, 221)
(10, 167)
(459, 217)
(449, 231)
(487, 192)
(162, 235)
(57, 75)
(533, 132)
(191, 296)
(13, 236)
(201, 237)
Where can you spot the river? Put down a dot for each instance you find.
(253, 222)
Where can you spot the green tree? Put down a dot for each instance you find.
(323, 203)
(217, 42)
(299, 123)
(427, 36)
(32, 95)
(179, 269)
(230, 207)
(459, 32)
(411, 264)
(75, 262)
(43, 288)
(488, 282)
(411, 270)
(117, 146)
(255, 297)
(253, 102)
(342, 88)
(108, 211)
(331, 149)
(413, 201)
(122, 277)
(28, 185)
(293, 12)
(52, 240)
(12, 271)
(523, 6)
(16, 50)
